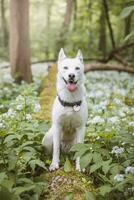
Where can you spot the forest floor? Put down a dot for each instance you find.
(107, 153)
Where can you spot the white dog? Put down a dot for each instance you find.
(69, 114)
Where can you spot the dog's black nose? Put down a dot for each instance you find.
(71, 76)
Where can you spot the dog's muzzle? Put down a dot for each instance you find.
(70, 84)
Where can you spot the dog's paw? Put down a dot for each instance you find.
(54, 166)
(79, 169)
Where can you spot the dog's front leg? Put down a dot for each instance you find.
(56, 148)
(80, 134)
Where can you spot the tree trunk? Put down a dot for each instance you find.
(4, 24)
(68, 14)
(19, 40)
(127, 26)
(75, 14)
(107, 67)
(65, 26)
(48, 17)
(102, 38)
(106, 9)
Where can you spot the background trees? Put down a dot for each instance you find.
(19, 40)
(96, 27)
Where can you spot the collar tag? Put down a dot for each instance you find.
(76, 108)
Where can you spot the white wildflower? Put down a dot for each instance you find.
(104, 103)
(2, 125)
(119, 177)
(125, 109)
(121, 92)
(131, 123)
(37, 107)
(117, 101)
(121, 114)
(5, 89)
(97, 109)
(20, 98)
(7, 78)
(97, 119)
(19, 107)
(113, 120)
(117, 150)
(1, 106)
(28, 117)
(9, 114)
(129, 169)
(131, 189)
(96, 94)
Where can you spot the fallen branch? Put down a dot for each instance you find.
(107, 67)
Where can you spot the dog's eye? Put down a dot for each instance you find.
(65, 67)
(77, 68)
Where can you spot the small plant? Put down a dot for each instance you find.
(20, 143)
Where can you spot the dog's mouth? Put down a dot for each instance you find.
(71, 84)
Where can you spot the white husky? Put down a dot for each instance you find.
(69, 113)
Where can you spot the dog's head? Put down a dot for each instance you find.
(71, 70)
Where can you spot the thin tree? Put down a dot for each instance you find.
(102, 32)
(66, 23)
(106, 10)
(19, 40)
(4, 24)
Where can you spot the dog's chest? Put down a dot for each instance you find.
(69, 121)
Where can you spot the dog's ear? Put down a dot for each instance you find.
(62, 55)
(80, 56)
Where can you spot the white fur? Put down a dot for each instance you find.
(68, 126)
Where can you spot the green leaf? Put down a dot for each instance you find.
(106, 166)
(104, 189)
(28, 143)
(78, 147)
(115, 169)
(67, 166)
(8, 183)
(12, 160)
(89, 196)
(3, 176)
(95, 166)
(19, 190)
(130, 35)
(37, 162)
(80, 152)
(69, 196)
(126, 12)
(29, 148)
(24, 180)
(97, 157)
(9, 138)
(27, 156)
(85, 160)
(105, 179)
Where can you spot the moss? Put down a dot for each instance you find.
(48, 94)
(61, 184)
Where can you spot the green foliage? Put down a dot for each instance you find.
(107, 154)
(126, 12)
(84, 30)
(67, 166)
(20, 142)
